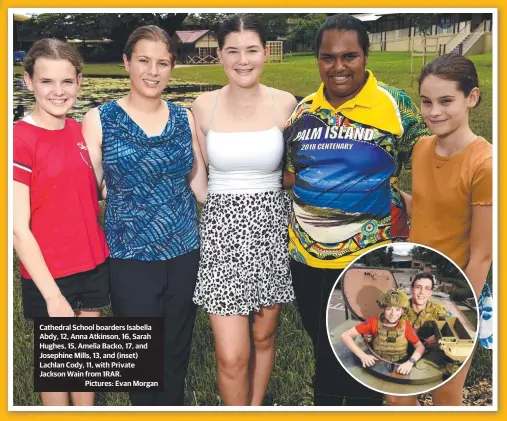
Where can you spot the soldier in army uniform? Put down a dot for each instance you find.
(391, 335)
(422, 311)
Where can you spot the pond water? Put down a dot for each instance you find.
(97, 90)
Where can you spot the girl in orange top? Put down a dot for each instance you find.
(451, 207)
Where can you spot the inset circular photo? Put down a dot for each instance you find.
(402, 319)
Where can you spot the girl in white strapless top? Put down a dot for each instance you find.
(244, 266)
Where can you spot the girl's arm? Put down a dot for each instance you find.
(199, 114)
(29, 253)
(407, 198)
(288, 104)
(289, 179)
(103, 191)
(92, 133)
(198, 177)
(481, 245)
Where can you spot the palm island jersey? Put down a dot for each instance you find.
(346, 163)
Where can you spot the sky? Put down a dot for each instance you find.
(402, 249)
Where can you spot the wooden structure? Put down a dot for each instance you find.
(427, 47)
(196, 46)
(275, 51)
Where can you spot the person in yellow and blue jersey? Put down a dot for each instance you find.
(346, 145)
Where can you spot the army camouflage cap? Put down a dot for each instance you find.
(393, 298)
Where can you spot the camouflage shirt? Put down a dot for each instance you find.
(432, 312)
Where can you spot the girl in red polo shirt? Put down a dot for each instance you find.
(57, 235)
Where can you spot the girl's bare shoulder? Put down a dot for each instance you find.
(205, 101)
(284, 98)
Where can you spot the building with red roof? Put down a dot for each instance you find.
(196, 46)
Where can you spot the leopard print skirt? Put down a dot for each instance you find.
(244, 262)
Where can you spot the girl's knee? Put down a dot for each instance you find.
(264, 340)
(232, 364)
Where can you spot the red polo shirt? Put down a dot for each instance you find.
(370, 327)
(64, 208)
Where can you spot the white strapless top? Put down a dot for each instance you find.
(245, 162)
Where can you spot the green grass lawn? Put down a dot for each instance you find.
(291, 380)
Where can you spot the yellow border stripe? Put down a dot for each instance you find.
(253, 416)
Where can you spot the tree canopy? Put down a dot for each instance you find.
(305, 31)
(381, 257)
(98, 26)
(275, 23)
(444, 265)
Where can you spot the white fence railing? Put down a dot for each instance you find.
(470, 42)
(458, 38)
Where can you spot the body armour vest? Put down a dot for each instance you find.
(391, 342)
